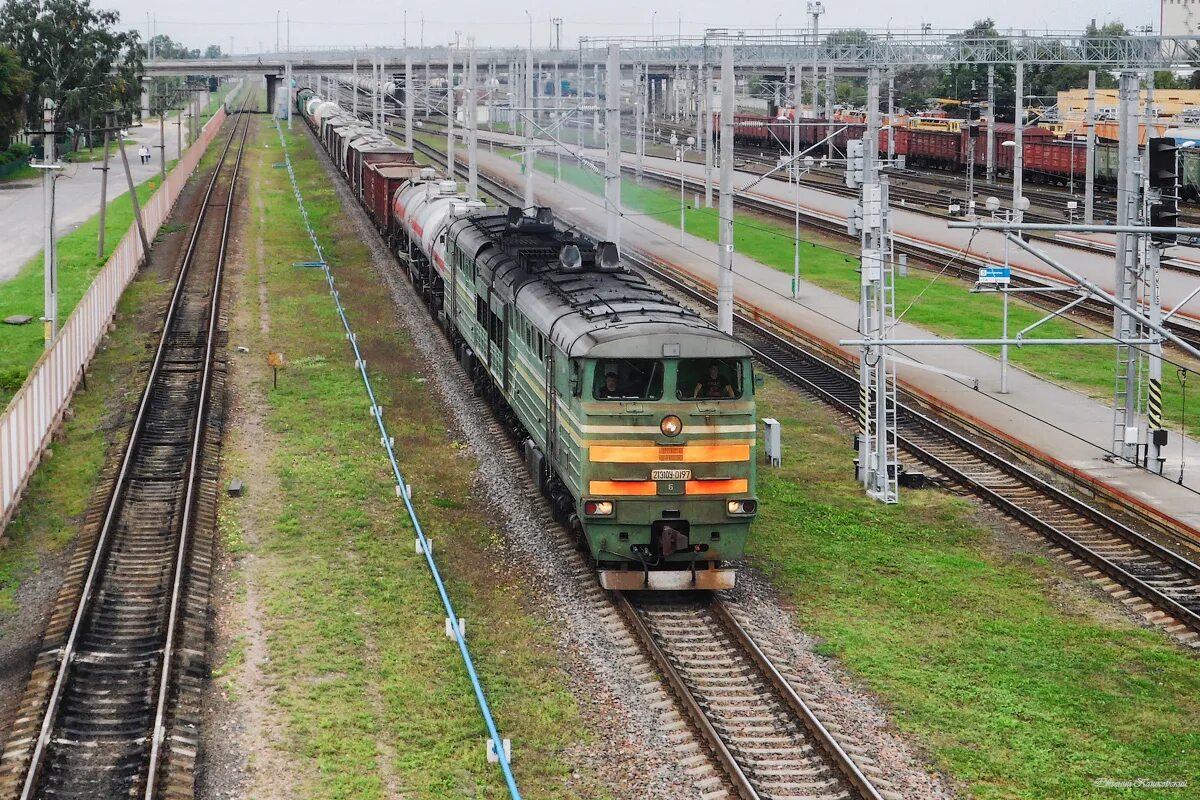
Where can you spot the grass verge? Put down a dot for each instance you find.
(358, 660)
(54, 503)
(1016, 681)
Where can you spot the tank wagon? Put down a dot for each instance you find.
(635, 416)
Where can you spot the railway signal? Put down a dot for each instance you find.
(1163, 175)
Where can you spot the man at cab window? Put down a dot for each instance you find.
(714, 385)
(610, 387)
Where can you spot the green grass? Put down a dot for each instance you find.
(97, 153)
(78, 264)
(358, 662)
(24, 173)
(1015, 683)
(944, 305)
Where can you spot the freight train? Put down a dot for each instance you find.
(1047, 160)
(635, 416)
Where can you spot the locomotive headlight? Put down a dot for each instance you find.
(598, 508)
(742, 506)
(671, 425)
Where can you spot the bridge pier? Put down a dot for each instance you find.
(272, 80)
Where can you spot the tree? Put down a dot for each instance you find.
(957, 80)
(162, 46)
(15, 85)
(213, 51)
(77, 57)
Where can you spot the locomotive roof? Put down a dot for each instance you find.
(589, 311)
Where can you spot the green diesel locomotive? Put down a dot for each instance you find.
(636, 415)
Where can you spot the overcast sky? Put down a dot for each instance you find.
(321, 22)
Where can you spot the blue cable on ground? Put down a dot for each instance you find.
(403, 490)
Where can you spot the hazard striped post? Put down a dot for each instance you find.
(1156, 433)
(1154, 412)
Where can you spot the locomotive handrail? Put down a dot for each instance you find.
(403, 489)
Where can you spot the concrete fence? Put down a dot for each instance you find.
(37, 409)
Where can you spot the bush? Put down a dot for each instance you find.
(17, 151)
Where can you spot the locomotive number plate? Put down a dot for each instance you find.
(670, 475)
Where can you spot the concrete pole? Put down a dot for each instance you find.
(49, 249)
(145, 109)
(596, 99)
(612, 139)
(288, 73)
(816, 71)
(428, 89)
(700, 143)
(104, 186)
(829, 93)
(1019, 142)
(1089, 124)
(354, 92)
(450, 115)
(382, 88)
(891, 139)
(162, 146)
(529, 159)
(991, 125)
(408, 102)
(797, 89)
(1126, 266)
(472, 127)
(639, 99)
(708, 138)
(133, 198)
(725, 223)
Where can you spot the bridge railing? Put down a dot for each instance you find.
(36, 410)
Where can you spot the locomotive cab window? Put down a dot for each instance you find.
(709, 379)
(628, 379)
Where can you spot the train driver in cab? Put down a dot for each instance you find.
(714, 386)
(611, 387)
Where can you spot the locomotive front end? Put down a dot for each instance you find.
(667, 463)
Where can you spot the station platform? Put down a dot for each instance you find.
(1052, 423)
(930, 232)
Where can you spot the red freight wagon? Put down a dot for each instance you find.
(375, 152)
(1053, 161)
(380, 182)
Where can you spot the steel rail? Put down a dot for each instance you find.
(100, 553)
(828, 362)
(691, 706)
(801, 709)
(159, 734)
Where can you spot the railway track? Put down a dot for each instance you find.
(766, 737)
(112, 706)
(1157, 581)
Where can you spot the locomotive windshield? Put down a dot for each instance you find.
(628, 379)
(709, 378)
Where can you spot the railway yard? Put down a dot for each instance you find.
(616, 423)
